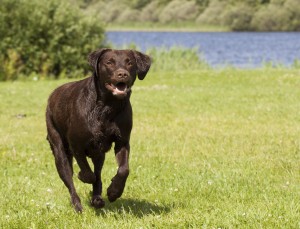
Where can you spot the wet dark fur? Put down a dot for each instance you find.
(86, 117)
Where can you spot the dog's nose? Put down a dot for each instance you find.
(122, 74)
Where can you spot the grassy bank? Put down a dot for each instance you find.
(210, 149)
(170, 27)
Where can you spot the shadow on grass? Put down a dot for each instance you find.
(138, 208)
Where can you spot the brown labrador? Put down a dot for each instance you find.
(85, 117)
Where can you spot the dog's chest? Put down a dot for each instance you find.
(104, 135)
(103, 130)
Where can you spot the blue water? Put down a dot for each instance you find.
(239, 49)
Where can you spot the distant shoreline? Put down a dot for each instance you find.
(179, 27)
(162, 28)
(184, 30)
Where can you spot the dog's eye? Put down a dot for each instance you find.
(129, 63)
(110, 62)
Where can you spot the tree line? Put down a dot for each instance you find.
(237, 15)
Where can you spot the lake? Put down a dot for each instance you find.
(239, 49)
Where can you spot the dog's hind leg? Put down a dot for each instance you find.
(62, 162)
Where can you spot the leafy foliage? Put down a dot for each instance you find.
(176, 59)
(278, 16)
(240, 15)
(179, 10)
(45, 37)
(213, 13)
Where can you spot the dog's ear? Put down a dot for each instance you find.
(94, 57)
(143, 63)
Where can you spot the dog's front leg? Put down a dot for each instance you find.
(97, 200)
(117, 185)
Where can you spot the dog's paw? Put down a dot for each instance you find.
(87, 177)
(115, 190)
(97, 202)
(76, 203)
(78, 208)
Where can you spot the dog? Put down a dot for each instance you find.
(84, 118)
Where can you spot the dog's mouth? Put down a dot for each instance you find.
(119, 90)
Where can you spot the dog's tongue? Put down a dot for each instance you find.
(121, 86)
(119, 90)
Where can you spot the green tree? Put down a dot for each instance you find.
(179, 10)
(45, 37)
(138, 4)
(293, 7)
(261, 15)
(239, 17)
(273, 17)
(213, 14)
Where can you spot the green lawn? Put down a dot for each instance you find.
(210, 149)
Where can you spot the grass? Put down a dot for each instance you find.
(210, 149)
(175, 26)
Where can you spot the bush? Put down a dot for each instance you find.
(273, 17)
(110, 11)
(151, 12)
(45, 37)
(238, 18)
(213, 14)
(179, 10)
(293, 7)
(128, 15)
(138, 4)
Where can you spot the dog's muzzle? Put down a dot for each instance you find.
(120, 84)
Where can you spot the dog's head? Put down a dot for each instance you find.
(116, 70)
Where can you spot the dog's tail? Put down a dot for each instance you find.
(53, 136)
